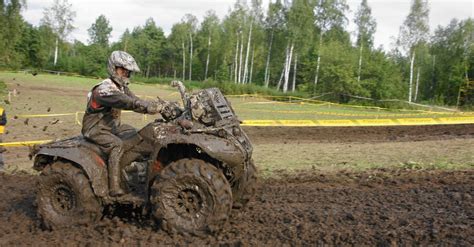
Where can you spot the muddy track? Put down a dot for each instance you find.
(383, 208)
(377, 208)
(358, 134)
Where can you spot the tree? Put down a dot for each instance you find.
(190, 21)
(59, 18)
(207, 36)
(11, 24)
(328, 14)
(366, 26)
(413, 33)
(100, 31)
(274, 21)
(147, 44)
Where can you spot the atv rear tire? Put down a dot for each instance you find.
(243, 190)
(191, 197)
(65, 197)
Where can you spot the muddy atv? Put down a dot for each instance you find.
(185, 172)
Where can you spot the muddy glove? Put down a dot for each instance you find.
(154, 107)
(141, 106)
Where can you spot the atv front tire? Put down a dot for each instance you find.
(191, 196)
(65, 197)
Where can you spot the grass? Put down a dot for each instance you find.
(248, 108)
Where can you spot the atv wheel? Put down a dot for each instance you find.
(192, 197)
(65, 197)
(244, 188)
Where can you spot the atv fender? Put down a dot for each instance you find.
(217, 148)
(92, 164)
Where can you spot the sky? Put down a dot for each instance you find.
(123, 14)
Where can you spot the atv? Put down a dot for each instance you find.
(185, 172)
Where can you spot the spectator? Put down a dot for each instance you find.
(3, 122)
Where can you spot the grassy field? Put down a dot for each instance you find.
(247, 107)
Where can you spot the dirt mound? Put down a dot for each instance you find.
(376, 208)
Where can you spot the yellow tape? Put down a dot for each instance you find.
(22, 144)
(360, 122)
(2, 129)
(46, 115)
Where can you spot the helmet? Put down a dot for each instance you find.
(124, 60)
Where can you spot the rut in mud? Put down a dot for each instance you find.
(373, 208)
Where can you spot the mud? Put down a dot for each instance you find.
(383, 208)
(358, 134)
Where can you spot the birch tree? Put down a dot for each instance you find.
(190, 22)
(274, 21)
(59, 18)
(414, 32)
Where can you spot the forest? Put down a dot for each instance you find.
(293, 47)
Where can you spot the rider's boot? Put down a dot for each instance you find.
(114, 172)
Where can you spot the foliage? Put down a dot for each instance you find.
(252, 48)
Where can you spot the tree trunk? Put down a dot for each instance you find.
(208, 56)
(184, 62)
(316, 78)
(240, 59)
(56, 52)
(251, 65)
(293, 88)
(410, 90)
(148, 71)
(417, 83)
(281, 78)
(191, 57)
(360, 62)
(267, 71)
(247, 55)
(288, 67)
(236, 59)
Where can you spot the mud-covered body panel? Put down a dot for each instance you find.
(80, 153)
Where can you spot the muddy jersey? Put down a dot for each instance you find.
(104, 104)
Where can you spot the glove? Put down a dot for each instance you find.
(141, 106)
(154, 107)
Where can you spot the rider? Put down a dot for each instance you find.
(101, 122)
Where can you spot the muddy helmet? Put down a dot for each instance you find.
(124, 60)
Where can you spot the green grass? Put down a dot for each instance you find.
(247, 108)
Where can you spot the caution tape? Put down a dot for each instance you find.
(319, 123)
(23, 144)
(359, 122)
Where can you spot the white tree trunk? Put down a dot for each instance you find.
(191, 57)
(360, 62)
(410, 90)
(241, 56)
(417, 83)
(281, 78)
(247, 55)
(267, 66)
(236, 60)
(251, 65)
(56, 51)
(208, 56)
(293, 88)
(288, 67)
(316, 78)
(184, 62)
